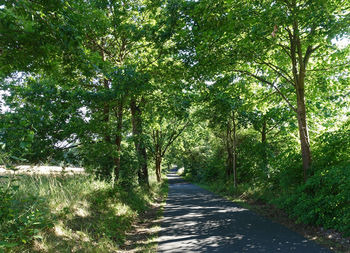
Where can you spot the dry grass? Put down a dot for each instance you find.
(89, 215)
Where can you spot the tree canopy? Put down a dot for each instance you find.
(246, 91)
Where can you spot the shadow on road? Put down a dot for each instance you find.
(196, 220)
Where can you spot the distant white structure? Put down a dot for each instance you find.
(43, 170)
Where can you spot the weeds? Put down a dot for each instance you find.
(68, 213)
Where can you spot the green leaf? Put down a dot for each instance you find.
(24, 144)
(8, 244)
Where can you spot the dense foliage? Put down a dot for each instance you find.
(251, 96)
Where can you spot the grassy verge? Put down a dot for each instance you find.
(255, 199)
(73, 214)
(144, 233)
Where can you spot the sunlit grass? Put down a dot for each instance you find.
(81, 214)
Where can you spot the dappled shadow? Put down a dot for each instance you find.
(100, 223)
(78, 214)
(142, 236)
(196, 220)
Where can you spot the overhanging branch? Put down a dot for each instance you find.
(269, 83)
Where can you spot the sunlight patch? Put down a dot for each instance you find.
(59, 231)
(81, 209)
(40, 246)
(83, 236)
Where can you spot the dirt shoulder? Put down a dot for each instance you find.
(143, 236)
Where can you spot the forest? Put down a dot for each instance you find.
(249, 98)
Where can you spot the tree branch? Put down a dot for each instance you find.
(101, 47)
(331, 68)
(281, 72)
(271, 128)
(269, 83)
(174, 137)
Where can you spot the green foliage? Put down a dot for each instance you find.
(98, 159)
(212, 86)
(287, 170)
(324, 199)
(214, 169)
(333, 147)
(21, 217)
(252, 158)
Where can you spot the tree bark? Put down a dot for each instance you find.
(139, 144)
(263, 142)
(118, 140)
(106, 109)
(158, 153)
(107, 169)
(299, 63)
(106, 113)
(234, 150)
(263, 130)
(158, 167)
(229, 150)
(303, 130)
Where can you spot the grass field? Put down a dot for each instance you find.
(57, 213)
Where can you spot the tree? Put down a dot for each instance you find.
(279, 43)
(103, 51)
(167, 116)
(225, 109)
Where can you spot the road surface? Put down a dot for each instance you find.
(196, 220)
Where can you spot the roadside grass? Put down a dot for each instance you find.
(76, 213)
(143, 237)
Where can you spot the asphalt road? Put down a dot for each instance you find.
(196, 220)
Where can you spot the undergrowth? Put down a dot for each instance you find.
(68, 213)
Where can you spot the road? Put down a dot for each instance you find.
(196, 220)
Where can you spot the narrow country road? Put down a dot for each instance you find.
(196, 220)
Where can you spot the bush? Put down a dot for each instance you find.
(323, 200)
(21, 219)
(214, 168)
(252, 159)
(333, 148)
(289, 170)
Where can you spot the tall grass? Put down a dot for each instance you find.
(68, 213)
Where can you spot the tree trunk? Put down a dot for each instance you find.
(263, 142)
(229, 150)
(303, 130)
(139, 144)
(234, 168)
(106, 109)
(158, 167)
(158, 154)
(299, 64)
(107, 136)
(106, 169)
(118, 140)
